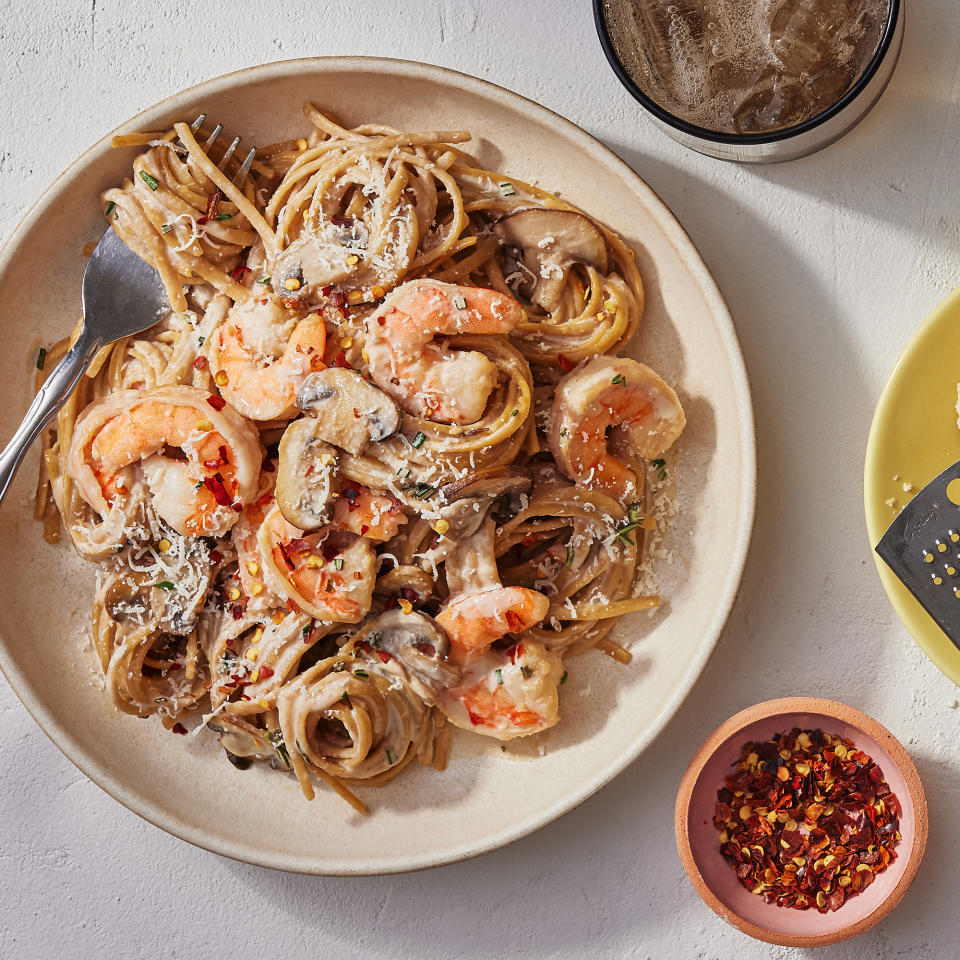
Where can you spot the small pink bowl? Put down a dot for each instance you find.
(714, 878)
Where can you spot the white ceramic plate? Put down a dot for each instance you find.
(610, 713)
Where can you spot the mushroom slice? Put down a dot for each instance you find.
(552, 241)
(418, 649)
(305, 475)
(489, 482)
(349, 411)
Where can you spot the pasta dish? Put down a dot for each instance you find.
(380, 471)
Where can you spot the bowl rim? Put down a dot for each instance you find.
(745, 139)
(781, 707)
(155, 814)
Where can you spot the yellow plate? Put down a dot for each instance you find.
(914, 437)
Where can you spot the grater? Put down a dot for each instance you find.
(922, 547)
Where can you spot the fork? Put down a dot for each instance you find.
(121, 296)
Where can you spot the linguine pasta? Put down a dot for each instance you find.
(379, 472)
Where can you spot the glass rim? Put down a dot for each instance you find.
(746, 139)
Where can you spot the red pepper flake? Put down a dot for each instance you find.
(308, 471)
(265, 673)
(236, 507)
(565, 364)
(213, 207)
(216, 556)
(529, 540)
(341, 360)
(475, 718)
(283, 554)
(328, 551)
(215, 485)
(238, 273)
(337, 297)
(236, 611)
(218, 403)
(212, 464)
(363, 529)
(200, 363)
(298, 546)
(325, 291)
(384, 656)
(178, 728)
(806, 820)
(356, 413)
(293, 606)
(223, 454)
(515, 624)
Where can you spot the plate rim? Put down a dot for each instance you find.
(924, 630)
(726, 331)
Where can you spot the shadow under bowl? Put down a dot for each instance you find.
(713, 877)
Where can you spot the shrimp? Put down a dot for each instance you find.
(508, 693)
(261, 354)
(424, 377)
(619, 394)
(131, 435)
(475, 621)
(368, 514)
(329, 573)
(480, 610)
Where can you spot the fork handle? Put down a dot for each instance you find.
(53, 394)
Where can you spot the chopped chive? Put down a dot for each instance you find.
(164, 585)
(276, 738)
(166, 227)
(635, 512)
(375, 638)
(569, 561)
(423, 491)
(419, 439)
(361, 673)
(150, 181)
(201, 341)
(159, 699)
(515, 413)
(506, 189)
(224, 216)
(658, 464)
(403, 473)
(499, 674)
(263, 280)
(338, 563)
(110, 207)
(389, 758)
(346, 699)
(619, 378)
(563, 431)
(41, 358)
(662, 475)
(198, 485)
(460, 303)
(306, 628)
(563, 679)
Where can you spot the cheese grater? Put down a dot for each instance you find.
(922, 547)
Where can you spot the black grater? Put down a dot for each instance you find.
(922, 547)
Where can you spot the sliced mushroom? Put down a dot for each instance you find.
(243, 743)
(350, 412)
(468, 501)
(306, 474)
(128, 597)
(552, 241)
(490, 482)
(417, 646)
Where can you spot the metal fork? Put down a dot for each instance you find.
(121, 296)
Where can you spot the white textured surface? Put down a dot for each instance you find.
(828, 264)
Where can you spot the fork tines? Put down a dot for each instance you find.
(244, 171)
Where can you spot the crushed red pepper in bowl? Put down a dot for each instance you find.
(807, 820)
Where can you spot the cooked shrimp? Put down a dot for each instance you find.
(423, 376)
(479, 610)
(368, 514)
(132, 435)
(474, 621)
(617, 394)
(329, 573)
(261, 354)
(509, 693)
